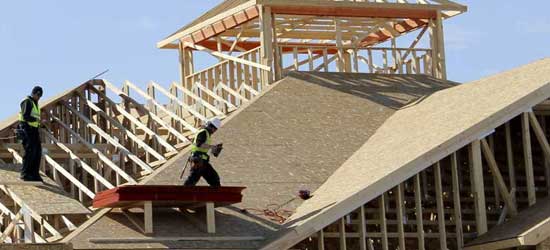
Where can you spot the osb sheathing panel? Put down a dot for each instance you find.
(303, 129)
(293, 137)
(526, 221)
(418, 136)
(47, 199)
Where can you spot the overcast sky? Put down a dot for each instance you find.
(62, 43)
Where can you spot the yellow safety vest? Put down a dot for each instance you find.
(35, 112)
(203, 151)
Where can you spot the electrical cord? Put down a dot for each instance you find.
(273, 211)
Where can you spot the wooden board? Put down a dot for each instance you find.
(518, 231)
(45, 199)
(166, 196)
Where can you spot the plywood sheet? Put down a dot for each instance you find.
(519, 226)
(47, 199)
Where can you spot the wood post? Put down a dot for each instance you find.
(362, 229)
(210, 218)
(342, 230)
(478, 189)
(266, 40)
(148, 217)
(339, 43)
(440, 207)
(321, 240)
(501, 185)
(441, 46)
(456, 202)
(528, 159)
(419, 217)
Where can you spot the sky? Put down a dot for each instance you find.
(62, 43)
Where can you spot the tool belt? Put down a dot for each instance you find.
(198, 159)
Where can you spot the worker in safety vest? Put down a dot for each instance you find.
(200, 160)
(29, 125)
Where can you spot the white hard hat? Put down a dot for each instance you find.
(216, 122)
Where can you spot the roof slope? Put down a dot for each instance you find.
(415, 138)
(47, 199)
(530, 227)
(292, 137)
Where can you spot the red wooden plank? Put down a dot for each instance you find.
(167, 195)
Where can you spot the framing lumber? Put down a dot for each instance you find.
(418, 211)
(440, 207)
(457, 201)
(478, 186)
(510, 157)
(362, 229)
(68, 175)
(227, 57)
(106, 160)
(491, 161)
(189, 109)
(82, 164)
(144, 166)
(134, 120)
(202, 101)
(126, 132)
(154, 117)
(528, 159)
(161, 107)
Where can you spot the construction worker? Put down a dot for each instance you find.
(29, 125)
(200, 160)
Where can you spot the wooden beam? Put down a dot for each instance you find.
(89, 123)
(148, 217)
(441, 46)
(135, 121)
(210, 218)
(362, 229)
(68, 175)
(342, 231)
(418, 208)
(457, 202)
(478, 189)
(321, 240)
(126, 132)
(228, 57)
(440, 207)
(491, 161)
(528, 159)
(106, 160)
(384, 225)
(161, 107)
(87, 168)
(266, 40)
(400, 222)
(510, 157)
(188, 108)
(154, 117)
(203, 102)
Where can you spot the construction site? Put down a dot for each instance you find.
(340, 131)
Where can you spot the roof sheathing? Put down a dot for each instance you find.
(292, 137)
(415, 138)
